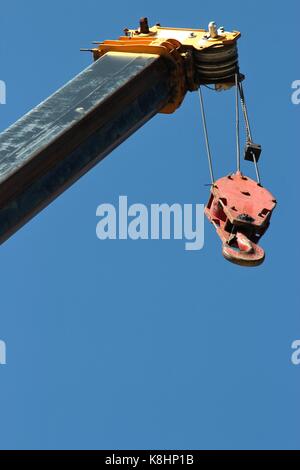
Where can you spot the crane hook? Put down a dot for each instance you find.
(240, 209)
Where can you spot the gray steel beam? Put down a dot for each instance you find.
(53, 145)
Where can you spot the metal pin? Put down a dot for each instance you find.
(213, 30)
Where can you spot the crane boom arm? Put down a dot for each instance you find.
(147, 71)
(48, 149)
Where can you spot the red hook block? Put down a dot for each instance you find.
(240, 209)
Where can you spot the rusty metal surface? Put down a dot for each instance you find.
(241, 210)
(48, 149)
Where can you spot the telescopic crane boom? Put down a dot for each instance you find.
(146, 71)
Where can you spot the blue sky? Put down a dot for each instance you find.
(141, 344)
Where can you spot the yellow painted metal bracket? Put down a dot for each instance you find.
(198, 56)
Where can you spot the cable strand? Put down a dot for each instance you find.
(248, 128)
(209, 157)
(237, 114)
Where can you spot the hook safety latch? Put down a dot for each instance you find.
(240, 250)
